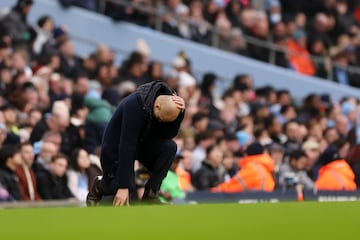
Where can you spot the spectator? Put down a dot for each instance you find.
(20, 65)
(203, 141)
(330, 135)
(277, 153)
(312, 151)
(343, 147)
(229, 166)
(340, 64)
(10, 118)
(155, 71)
(53, 183)
(335, 173)
(258, 28)
(299, 56)
(208, 175)
(200, 29)
(237, 43)
(58, 121)
(233, 11)
(255, 173)
(208, 96)
(10, 160)
(44, 34)
(287, 113)
(170, 189)
(134, 69)
(200, 122)
(80, 173)
(281, 57)
(26, 175)
(82, 84)
(349, 110)
(342, 125)
(78, 111)
(41, 165)
(293, 172)
(273, 126)
(183, 171)
(100, 112)
(69, 62)
(321, 60)
(16, 24)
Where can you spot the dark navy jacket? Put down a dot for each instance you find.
(131, 126)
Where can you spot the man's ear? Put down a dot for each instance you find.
(157, 105)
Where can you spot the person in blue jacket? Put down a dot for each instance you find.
(141, 128)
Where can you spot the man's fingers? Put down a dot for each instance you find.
(118, 202)
(178, 101)
(122, 203)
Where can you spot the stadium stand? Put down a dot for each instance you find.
(63, 70)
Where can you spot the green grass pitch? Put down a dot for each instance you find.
(290, 221)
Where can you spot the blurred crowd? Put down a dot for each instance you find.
(54, 107)
(318, 38)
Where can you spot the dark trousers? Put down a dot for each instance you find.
(156, 155)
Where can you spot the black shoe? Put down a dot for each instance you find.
(151, 197)
(94, 196)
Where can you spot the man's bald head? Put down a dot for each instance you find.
(165, 109)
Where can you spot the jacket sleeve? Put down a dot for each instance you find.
(15, 28)
(131, 126)
(238, 183)
(66, 190)
(282, 175)
(201, 180)
(306, 180)
(44, 187)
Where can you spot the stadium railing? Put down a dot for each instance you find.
(216, 35)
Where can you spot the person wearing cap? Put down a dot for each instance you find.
(335, 173)
(255, 174)
(141, 128)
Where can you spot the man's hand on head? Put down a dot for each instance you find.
(179, 101)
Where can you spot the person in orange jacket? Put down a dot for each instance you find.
(299, 56)
(255, 174)
(184, 170)
(335, 173)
